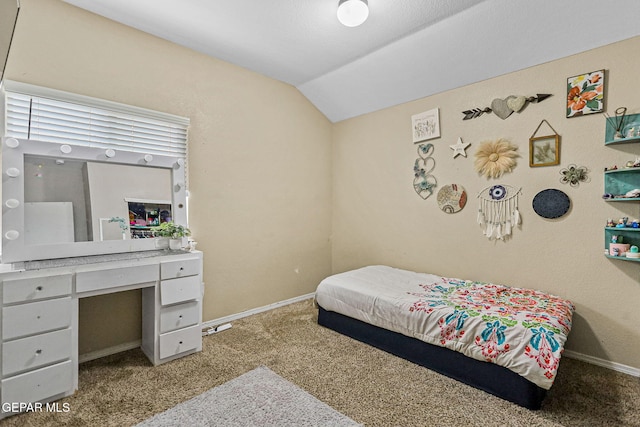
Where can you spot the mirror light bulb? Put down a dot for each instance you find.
(12, 203)
(12, 142)
(352, 13)
(11, 235)
(13, 172)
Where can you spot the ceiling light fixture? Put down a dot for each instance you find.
(352, 13)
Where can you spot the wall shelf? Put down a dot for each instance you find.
(630, 229)
(623, 199)
(623, 258)
(622, 141)
(619, 182)
(630, 121)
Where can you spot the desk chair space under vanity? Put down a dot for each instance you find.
(42, 279)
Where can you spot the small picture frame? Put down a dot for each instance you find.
(425, 125)
(585, 94)
(544, 150)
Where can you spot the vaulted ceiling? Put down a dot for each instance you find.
(407, 49)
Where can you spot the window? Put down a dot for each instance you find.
(33, 112)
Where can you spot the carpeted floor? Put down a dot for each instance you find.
(363, 383)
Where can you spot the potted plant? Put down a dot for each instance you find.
(173, 232)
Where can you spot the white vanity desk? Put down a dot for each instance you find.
(39, 321)
(46, 272)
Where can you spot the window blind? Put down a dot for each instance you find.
(49, 115)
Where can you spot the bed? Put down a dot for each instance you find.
(504, 340)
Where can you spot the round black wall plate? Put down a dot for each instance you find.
(551, 203)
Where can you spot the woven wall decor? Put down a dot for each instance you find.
(494, 158)
(551, 203)
(498, 211)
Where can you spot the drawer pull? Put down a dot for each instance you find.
(181, 268)
(180, 317)
(39, 288)
(180, 343)
(38, 352)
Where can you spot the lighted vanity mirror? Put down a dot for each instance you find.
(64, 201)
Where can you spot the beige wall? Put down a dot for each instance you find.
(269, 190)
(378, 218)
(259, 157)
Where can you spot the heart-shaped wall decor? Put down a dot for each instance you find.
(500, 108)
(516, 103)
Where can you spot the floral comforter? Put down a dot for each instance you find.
(521, 329)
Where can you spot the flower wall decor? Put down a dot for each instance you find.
(574, 175)
(495, 158)
(426, 125)
(585, 94)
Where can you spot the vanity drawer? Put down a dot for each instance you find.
(179, 341)
(179, 290)
(35, 288)
(36, 317)
(185, 267)
(115, 277)
(39, 384)
(179, 316)
(34, 352)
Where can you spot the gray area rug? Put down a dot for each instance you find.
(258, 398)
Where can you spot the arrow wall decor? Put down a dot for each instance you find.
(503, 108)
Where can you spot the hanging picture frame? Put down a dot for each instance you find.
(425, 125)
(544, 150)
(585, 94)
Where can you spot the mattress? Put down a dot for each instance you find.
(522, 330)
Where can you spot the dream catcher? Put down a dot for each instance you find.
(423, 182)
(498, 210)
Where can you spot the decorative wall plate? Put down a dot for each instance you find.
(551, 203)
(452, 198)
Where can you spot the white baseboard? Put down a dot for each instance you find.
(619, 367)
(108, 351)
(228, 319)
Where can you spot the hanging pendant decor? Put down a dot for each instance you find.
(423, 182)
(498, 211)
(495, 158)
(544, 150)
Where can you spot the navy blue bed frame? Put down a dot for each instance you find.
(489, 377)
